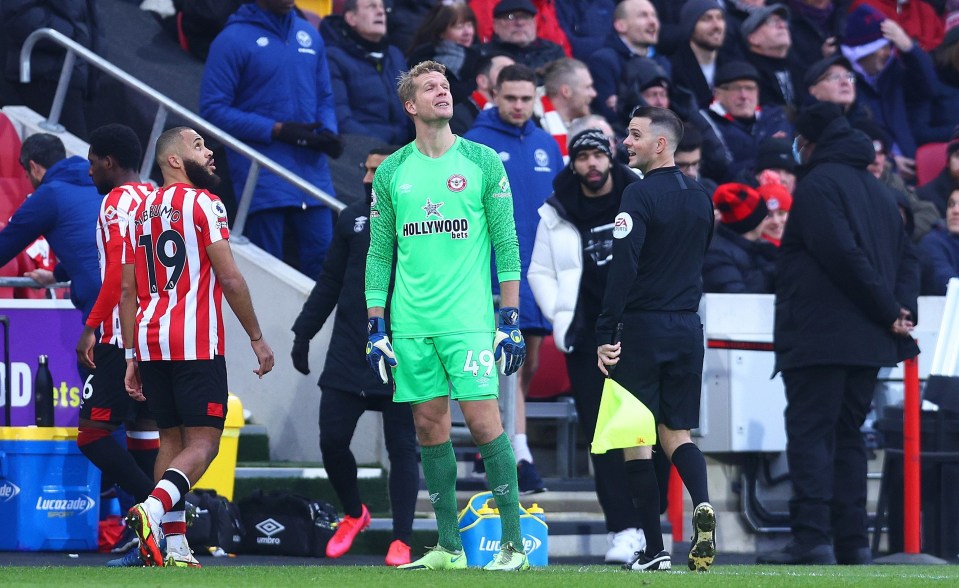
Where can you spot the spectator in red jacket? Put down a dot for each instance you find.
(547, 23)
(916, 17)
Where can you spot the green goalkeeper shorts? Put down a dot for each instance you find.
(460, 366)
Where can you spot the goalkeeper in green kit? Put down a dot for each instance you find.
(442, 202)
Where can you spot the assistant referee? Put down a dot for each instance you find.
(660, 235)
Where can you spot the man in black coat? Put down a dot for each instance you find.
(846, 288)
(348, 386)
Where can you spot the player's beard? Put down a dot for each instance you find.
(595, 185)
(200, 175)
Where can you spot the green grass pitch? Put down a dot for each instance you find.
(594, 576)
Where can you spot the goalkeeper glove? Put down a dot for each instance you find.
(379, 351)
(509, 349)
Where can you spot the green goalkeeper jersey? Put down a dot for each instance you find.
(441, 215)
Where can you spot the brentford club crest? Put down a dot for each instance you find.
(456, 183)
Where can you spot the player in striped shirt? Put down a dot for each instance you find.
(114, 160)
(177, 267)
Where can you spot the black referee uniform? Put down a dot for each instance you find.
(654, 288)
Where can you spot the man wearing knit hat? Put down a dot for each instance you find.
(703, 23)
(778, 202)
(775, 163)
(886, 62)
(846, 288)
(739, 260)
(568, 275)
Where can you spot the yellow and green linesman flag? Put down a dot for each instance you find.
(623, 420)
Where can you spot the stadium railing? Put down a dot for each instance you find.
(165, 106)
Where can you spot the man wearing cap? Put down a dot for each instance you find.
(833, 79)
(634, 35)
(938, 190)
(886, 62)
(703, 23)
(846, 288)
(768, 43)
(568, 275)
(739, 260)
(736, 117)
(514, 34)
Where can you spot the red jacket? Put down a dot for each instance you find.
(917, 18)
(547, 23)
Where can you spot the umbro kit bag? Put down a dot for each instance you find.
(281, 523)
(216, 522)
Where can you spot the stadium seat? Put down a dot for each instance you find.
(551, 379)
(14, 185)
(319, 7)
(930, 160)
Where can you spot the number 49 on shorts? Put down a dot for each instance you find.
(485, 361)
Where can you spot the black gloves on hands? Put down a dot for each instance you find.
(305, 135)
(301, 355)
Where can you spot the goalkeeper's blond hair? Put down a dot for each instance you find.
(405, 84)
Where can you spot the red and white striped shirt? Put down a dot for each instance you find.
(179, 316)
(115, 211)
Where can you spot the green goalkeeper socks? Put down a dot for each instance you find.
(501, 474)
(439, 469)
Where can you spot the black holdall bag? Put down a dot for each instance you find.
(216, 522)
(281, 523)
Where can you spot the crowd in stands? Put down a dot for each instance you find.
(737, 72)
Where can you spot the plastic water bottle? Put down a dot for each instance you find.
(43, 394)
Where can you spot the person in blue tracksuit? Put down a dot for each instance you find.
(64, 209)
(267, 83)
(532, 159)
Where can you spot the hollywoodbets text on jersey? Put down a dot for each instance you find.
(458, 228)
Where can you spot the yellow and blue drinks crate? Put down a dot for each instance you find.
(480, 530)
(49, 491)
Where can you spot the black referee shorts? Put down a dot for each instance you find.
(662, 365)
(186, 393)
